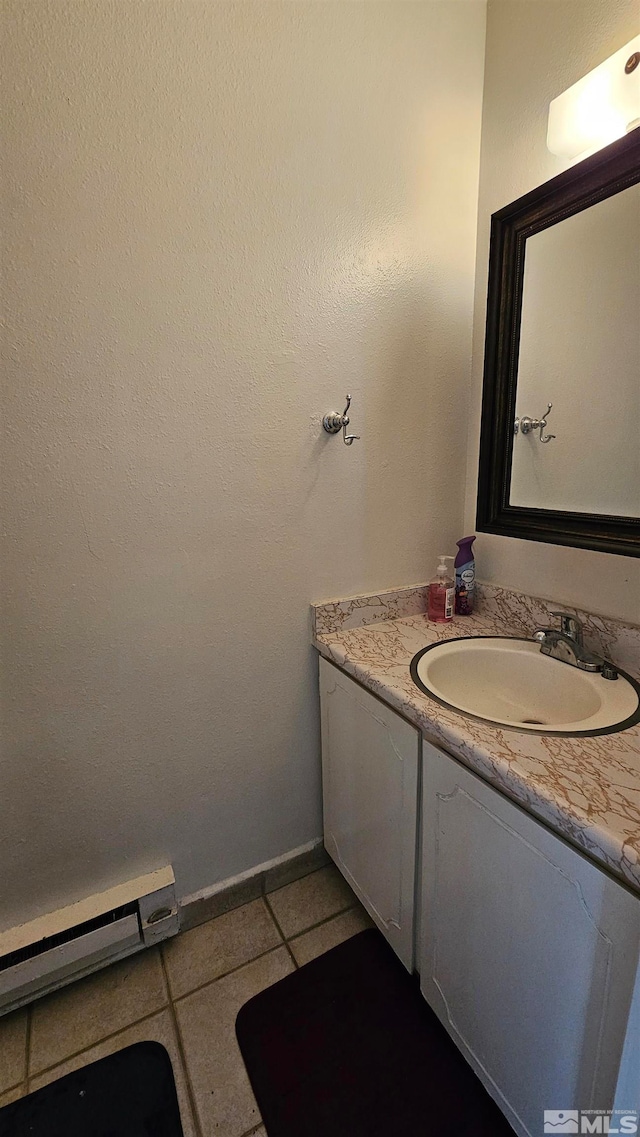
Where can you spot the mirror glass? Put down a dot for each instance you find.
(580, 351)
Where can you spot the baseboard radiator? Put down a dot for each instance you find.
(55, 949)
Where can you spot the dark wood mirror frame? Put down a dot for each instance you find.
(611, 170)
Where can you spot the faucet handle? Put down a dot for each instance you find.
(570, 625)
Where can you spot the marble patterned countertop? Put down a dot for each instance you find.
(586, 789)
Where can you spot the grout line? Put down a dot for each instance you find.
(165, 969)
(231, 971)
(327, 920)
(265, 901)
(250, 1132)
(181, 1051)
(18, 1086)
(280, 932)
(98, 1042)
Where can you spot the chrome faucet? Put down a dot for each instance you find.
(567, 645)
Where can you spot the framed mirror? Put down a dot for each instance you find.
(560, 434)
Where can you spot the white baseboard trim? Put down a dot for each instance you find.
(216, 899)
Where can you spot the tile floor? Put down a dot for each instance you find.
(185, 995)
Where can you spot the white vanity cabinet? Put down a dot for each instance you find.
(370, 760)
(529, 952)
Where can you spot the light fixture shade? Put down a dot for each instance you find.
(599, 108)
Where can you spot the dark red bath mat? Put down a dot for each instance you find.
(347, 1047)
(128, 1094)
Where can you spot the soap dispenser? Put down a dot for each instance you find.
(441, 595)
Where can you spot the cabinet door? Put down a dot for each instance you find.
(528, 953)
(370, 795)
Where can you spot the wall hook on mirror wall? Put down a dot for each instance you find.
(333, 423)
(526, 424)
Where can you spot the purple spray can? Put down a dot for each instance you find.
(465, 567)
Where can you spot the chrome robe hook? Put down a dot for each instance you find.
(526, 424)
(333, 423)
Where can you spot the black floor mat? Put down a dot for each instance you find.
(131, 1093)
(347, 1047)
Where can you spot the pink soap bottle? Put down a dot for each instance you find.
(441, 595)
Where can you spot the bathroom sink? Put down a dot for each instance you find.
(509, 682)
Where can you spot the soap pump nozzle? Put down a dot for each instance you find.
(442, 569)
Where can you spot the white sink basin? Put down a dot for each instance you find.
(510, 682)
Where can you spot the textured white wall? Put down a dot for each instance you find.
(536, 49)
(220, 218)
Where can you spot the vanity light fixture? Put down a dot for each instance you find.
(600, 107)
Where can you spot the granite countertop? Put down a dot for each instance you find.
(586, 789)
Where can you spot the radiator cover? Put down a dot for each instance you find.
(59, 947)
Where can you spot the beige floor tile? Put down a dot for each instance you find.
(85, 1012)
(206, 952)
(158, 1028)
(308, 901)
(13, 1048)
(224, 1099)
(13, 1095)
(329, 935)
